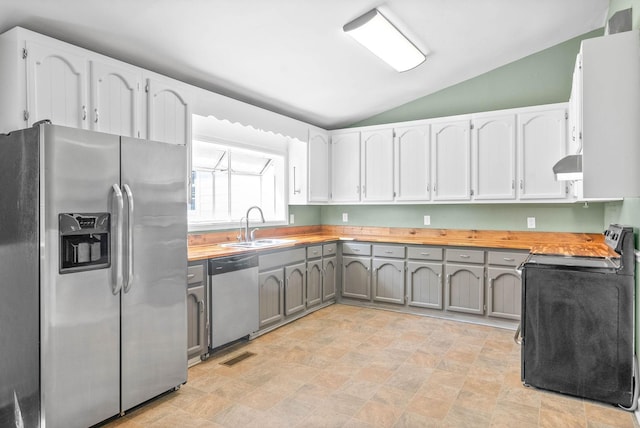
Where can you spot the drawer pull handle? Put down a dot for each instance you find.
(388, 252)
(509, 259)
(425, 254)
(465, 256)
(357, 250)
(191, 276)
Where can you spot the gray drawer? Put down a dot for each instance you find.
(465, 256)
(424, 253)
(281, 258)
(357, 249)
(394, 251)
(195, 274)
(329, 249)
(314, 251)
(506, 258)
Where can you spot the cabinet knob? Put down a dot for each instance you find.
(84, 112)
(97, 116)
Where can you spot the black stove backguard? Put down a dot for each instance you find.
(578, 327)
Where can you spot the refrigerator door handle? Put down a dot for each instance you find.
(117, 260)
(129, 280)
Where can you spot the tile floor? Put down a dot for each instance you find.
(344, 366)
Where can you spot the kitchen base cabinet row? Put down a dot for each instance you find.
(475, 285)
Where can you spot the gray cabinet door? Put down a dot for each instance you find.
(464, 288)
(424, 281)
(388, 281)
(504, 293)
(314, 283)
(328, 278)
(294, 289)
(356, 278)
(271, 297)
(196, 325)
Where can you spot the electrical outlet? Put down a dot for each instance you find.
(427, 220)
(345, 217)
(531, 222)
(292, 219)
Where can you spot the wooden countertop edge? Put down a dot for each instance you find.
(568, 244)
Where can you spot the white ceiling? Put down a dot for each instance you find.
(292, 57)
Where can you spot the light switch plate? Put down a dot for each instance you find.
(531, 222)
(292, 218)
(345, 217)
(427, 220)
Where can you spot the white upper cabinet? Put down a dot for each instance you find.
(56, 85)
(451, 160)
(114, 99)
(574, 143)
(412, 167)
(297, 172)
(377, 165)
(542, 137)
(318, 166)
(345, 167)
(168, 111)
(494, 157)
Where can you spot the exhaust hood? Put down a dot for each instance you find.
(568, 168)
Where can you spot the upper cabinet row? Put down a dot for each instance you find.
(497, 156)
(44, 78)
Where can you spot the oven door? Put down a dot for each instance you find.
(577, 330)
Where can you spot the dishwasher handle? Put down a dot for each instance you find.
(222, 265)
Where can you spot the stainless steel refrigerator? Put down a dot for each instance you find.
(93, 262)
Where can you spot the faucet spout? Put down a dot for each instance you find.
(247, 236)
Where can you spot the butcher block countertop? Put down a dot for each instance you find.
(207, 245)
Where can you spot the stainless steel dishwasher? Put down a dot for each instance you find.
(233, 298)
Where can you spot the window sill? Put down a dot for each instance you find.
(204, 227)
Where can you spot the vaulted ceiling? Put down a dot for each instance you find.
(292, 57)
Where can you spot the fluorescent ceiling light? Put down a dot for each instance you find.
(377, 34)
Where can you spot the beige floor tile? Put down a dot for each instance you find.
(379, 414)
(430, 407)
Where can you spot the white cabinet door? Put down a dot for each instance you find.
(345, 167)
(318, 166)
(451, 160)
(542, 139)
(297, 172)
(575, 109)
(377, 165)
(56, 86)
(413, 170)
(168, 111)
(494, 157)
(114, 99)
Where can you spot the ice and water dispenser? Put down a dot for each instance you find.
(84, 241)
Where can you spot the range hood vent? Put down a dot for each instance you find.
(568, 168)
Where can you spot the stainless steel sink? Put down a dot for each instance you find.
(258, 243)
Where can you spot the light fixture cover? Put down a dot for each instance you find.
(381, 37)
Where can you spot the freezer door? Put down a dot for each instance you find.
(80, 323)
(154, 313)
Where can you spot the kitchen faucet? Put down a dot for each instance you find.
(249, 236)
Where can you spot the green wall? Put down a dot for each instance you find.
(541, 78)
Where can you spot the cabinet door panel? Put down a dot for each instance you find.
(114, 99)
(318, 167)
(314, 283)
(413, 169)
(197, 336)
(294, 287)
(388, 281)
(504, 297)
(169, 117)
(494, 144)
(465, 288)
(345, 162)
(329, 279)
(56, 86)
(377, 165)
(356, 277)
(425, 284)
(542, 142)
(271, 297)
(451, 160)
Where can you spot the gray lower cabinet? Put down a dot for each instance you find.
(294, 289)
(504, 288)
(356, 277)
(464, 287)
(329, 276)
(388, 274)
(271, 296)
(314, 282)
(424, 283)
(197, 344)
